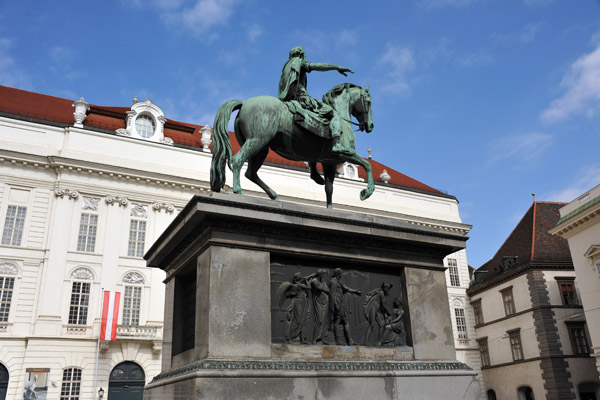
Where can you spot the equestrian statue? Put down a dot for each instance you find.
(296, 126)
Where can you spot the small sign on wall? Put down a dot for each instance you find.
(36, 383)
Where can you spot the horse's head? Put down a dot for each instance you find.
(361, 110)
(347, 98)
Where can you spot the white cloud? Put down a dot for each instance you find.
(10, 73)
(165, 4)
(530, 32)
(198, 18)
(61, 54)
(537, 3)
(519, 149)
(318, 41)
(254, 31)
(477, 59)
(526, 35)
(582, 90)
(398, 62)
(348, 37)
(433, 4)
(587, 178)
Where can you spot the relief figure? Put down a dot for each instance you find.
(376, 312)
(340, 309)
(298, 311)
(394, 333)
(319, 294)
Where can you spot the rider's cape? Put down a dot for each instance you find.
(309, 113)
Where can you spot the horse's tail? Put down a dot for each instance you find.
(221, 144)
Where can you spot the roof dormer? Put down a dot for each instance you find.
(146, 121)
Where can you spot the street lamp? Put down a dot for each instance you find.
(100, 394)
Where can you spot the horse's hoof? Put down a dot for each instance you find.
(365, 194)
(318, 179)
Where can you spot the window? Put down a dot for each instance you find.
(14, 225)
(578, 338)
(71, 384)
(6, 290)
(567, 292)
(88, 227)
(453, 272)
(507, 298)
(131, 305)
(478, 312)
(515, 345)
(80, 301)
(144, 125)
(483, 352)
(461, 324)
(137, 238)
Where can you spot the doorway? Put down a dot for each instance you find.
(3, 381)
(126, 382)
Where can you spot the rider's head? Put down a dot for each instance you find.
(297, 52)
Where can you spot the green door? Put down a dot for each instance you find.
(126, 382)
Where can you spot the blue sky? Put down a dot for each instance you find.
(489, 100)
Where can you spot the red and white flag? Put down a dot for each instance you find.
(110, 315)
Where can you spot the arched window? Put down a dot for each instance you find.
(80, 295)
(71, 384)
(132, 298)
(8, 273)
(525, 393)
(491, 395)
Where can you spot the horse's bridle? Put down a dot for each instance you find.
(361, 126)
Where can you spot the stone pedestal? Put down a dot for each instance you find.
(225, 257)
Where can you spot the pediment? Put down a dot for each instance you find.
(593, 251)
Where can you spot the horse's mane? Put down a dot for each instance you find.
(330, 96)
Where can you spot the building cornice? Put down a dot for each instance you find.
(516, 272)
(508, 364)
(587, 214)
(64, 165)
(528, 310)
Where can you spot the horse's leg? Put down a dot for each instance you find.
(314, 173)
(357, 159)
(329, 172)
(254, 164)
(249, 149)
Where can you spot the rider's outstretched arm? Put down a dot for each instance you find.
(329, 67)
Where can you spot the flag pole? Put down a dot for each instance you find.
(101, 302)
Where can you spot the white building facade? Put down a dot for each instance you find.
(83, 194)
(580, 225)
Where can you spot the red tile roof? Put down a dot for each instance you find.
(57, 110)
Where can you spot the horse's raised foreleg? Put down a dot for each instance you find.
(329, 172)
(357, 159)
(314, 173)
(254, 164)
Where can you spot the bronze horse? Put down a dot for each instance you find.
(265, 122)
